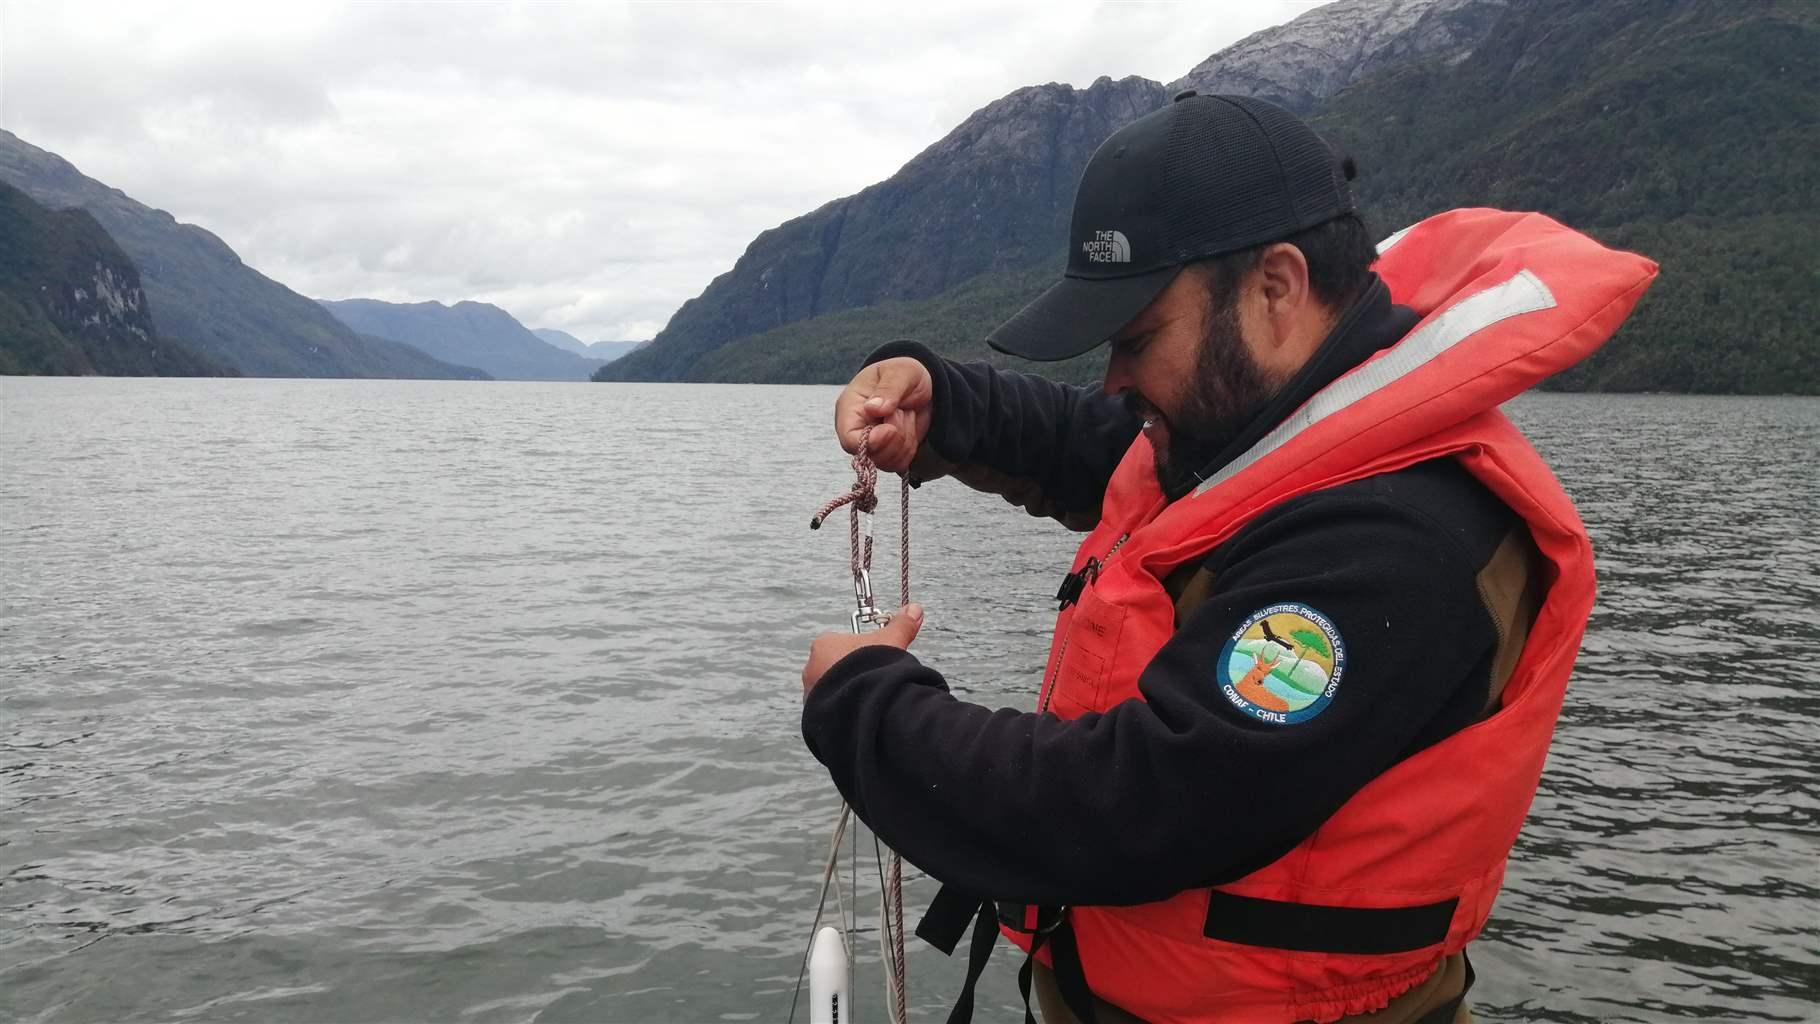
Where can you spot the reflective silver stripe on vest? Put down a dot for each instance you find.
(1384, 246)
(1524, 293)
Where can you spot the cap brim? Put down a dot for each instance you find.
(1078, 314)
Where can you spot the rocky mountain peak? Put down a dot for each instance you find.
(1011, 124)
(1322, 52)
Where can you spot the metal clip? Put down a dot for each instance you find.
(867, 619)
(866, 613)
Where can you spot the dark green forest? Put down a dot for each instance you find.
(1693, 138)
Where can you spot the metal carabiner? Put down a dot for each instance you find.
(866, 611)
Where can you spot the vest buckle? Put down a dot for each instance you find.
(1075, 583)
(1029, 919)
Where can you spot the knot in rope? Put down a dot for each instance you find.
(864, 495)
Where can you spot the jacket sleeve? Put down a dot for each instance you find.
(1046, 447)
(1181, 789)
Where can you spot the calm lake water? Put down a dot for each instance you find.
(375, 700)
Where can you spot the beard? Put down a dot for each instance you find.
(1226, 392)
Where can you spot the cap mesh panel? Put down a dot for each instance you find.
(1240, 172)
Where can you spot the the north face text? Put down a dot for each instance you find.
(1107, 247)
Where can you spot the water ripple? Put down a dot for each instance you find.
(319, 703)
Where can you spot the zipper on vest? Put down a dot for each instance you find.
(1073, 585)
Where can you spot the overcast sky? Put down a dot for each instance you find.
(584, 166)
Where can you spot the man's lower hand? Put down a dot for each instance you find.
(832, 647)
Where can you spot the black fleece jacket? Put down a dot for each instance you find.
(1183, 788)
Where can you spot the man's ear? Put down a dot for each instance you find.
(1282, 282)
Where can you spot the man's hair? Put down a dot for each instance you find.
(1339, 254)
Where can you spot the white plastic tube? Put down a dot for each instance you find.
(828, 998)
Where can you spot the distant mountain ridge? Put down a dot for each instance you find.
(71, 301)
(468, 333)
(561, 339)
(995, 194)
(605, 350)
(202, 293)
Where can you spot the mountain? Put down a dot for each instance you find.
(603, 350)
(991, 196)
(1689, 131)
(71, 301)
(203, 294)
(995, 194)
(468, 333)
(1686, 130)
(611, 350)
(1300, 64)
(561, 339)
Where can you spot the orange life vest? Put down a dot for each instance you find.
(1405, 872)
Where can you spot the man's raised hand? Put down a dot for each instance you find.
(894, 398)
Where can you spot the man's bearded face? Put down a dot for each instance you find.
(1225, 391)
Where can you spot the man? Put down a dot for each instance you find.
(1310, 656)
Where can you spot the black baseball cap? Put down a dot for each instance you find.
(1203, 176)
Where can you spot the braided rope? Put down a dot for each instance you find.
(862, 498)
(900, 968)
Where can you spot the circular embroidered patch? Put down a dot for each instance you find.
(1283, 664)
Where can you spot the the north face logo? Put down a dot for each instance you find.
(1107, 247)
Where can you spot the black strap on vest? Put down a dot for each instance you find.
(1065, 961)
(947, 918)
(1070, 976)
(1312, 928)
(979, 950)
(1240, 919)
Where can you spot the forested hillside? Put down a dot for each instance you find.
(71, 302)
(1688, 130)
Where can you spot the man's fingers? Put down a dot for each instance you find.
(892, 399)
(850, 420)
(905, 624)
(882, 444)
(902, 383)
